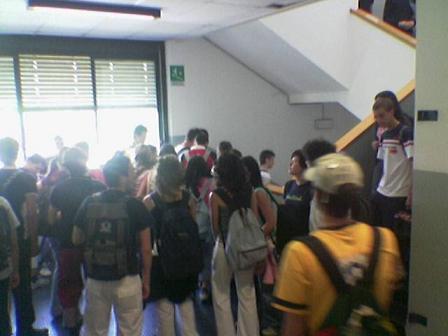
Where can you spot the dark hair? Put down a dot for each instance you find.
(265, 155)
(167, 149)
(74, 160)
(170, 176)
(254, 171)
(84, 146)
(398, 112)
(225, 147)
(38, 160)
(139, 130)
(317, 148)
(144, 159)
(192, 133)
(202, 138)
(299, 154)
(196, 170)
(9, 149)
(236, 152)
(232, 176)
(346, 198)
(115, 168)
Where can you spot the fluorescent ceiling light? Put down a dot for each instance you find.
(149, 12)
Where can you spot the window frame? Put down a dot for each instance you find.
(120, 50)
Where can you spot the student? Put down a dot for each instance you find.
(394, 192)
(144, 170)
(173, 209)
(187, 143)
(140, 133)
(114, 230)
(297, 192)
(224, 147)
(233, 188)
(167, 149)
(200, 184)
(267, 208)
(267, 160)
(316, 148)
(366, 5)
(9, 262)
(19, 188)
(200, 149)
(399, 14)
(304, 292)
(65, 200)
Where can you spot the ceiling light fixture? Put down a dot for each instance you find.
(152, 12)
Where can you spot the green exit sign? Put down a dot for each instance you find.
(177, 74)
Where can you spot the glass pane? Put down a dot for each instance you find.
(41, 128)
(116, 127)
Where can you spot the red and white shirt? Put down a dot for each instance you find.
(396, 150)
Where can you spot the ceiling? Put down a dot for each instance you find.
(180, 19)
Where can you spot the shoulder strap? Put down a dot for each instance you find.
(327, 261)
(369, 276)
(270, 195)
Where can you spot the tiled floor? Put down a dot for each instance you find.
(204, 317)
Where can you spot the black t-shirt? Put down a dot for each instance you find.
(15, 185)
(299, 197)
(139, 220)
(66, 197)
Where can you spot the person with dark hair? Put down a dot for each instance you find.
(267, 160)
(236, 152)
(114, 230)
(144, 164)
(19, 188)
(316, 148)
(36, 165)
(394, 192)
(305, 291)
(65, 200)
(224, 147)
(234, 191)
(399, 14)
(173, 209)
(187, 143)
(200, 184)
(140, 133)
(267, 209)
(200, 149)
(297, 192)
(167, 149)
(9, 262)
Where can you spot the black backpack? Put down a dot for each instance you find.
(5, 239)
(107, 236)
(177, 238)
(356, 310)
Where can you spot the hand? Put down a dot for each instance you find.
(145, 289)
(406, 24)
(15, 279)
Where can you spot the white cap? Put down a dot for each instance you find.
(331, 171)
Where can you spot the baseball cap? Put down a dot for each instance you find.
(331, 171)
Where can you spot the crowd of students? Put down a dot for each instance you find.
(163, 228)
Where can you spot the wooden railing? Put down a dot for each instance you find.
(372, 19)
(368, 122)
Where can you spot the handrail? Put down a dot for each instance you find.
(397, 33)
(364, 125)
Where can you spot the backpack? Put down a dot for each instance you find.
(356, 311)
(245, 245)
(107, 236)
(205, 156)
(5, 239)
(177, 238)
(203, 215)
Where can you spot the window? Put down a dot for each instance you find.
(99, 101)
(10, 124)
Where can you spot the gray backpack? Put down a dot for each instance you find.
(245, 244)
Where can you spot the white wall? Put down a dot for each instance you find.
(358, 55)
(235, 104)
